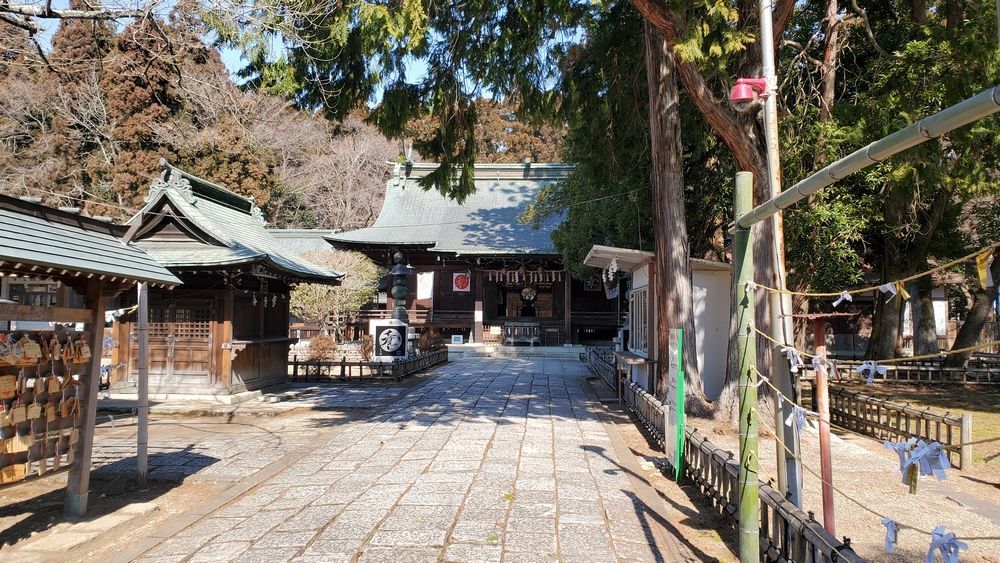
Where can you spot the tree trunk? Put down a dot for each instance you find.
(900, 258)
(742, 134)
(828, 71)
(924, 325)
(673, 293)
(972, 328)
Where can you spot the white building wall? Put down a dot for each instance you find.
(711, 324)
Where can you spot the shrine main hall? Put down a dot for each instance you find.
(477, 271)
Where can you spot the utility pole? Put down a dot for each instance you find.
(142, 332)
(749, 482)
(780, 303)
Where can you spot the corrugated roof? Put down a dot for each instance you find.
(233, 225)
(35, 235)
(485, 223)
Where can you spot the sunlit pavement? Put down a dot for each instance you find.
(489, 460)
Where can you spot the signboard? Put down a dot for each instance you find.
(460, 282)
(457, 339)
(388, 340)
(673, 427)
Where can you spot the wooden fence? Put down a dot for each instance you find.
(885, 420)
(981, 370)
(344, 371)
(787, 532)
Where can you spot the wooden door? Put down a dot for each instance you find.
(180, 346)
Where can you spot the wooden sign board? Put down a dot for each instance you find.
(673, 411)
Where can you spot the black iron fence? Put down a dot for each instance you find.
(344, 371)
(603, 362)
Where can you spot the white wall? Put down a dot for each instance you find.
(711, 324)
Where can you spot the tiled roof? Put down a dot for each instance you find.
(232, 228)
(484, 224)
(35, 235)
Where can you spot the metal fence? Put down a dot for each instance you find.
(886, 420)
(787, 532)
(344, 371)
(603, 362)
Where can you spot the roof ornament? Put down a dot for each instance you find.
(257, 214)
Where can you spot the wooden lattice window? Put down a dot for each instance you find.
(185, 321)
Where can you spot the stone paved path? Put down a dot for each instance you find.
(490, 460)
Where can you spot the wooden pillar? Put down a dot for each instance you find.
(225, 337)
(142, 408)
(477, 314)
(822, 406)
(652, 338)
(568, 306)
(78, 484)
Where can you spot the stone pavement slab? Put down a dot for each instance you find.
(487, 460)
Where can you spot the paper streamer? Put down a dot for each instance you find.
(794, 359)
(902, 290)
(870, 368)
(797, 416)
(891, 532)
(844, 296)
(983, 267)
(947, 544)
(888, 288)
(929, 459)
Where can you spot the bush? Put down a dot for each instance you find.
(429, 341)
(322, 347)
(367, 347)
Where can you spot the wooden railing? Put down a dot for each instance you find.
(344, 371)
(981, 370)
(885, 420)
(787, 532)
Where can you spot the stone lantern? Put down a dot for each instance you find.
(399, 273)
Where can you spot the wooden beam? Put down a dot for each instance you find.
(225, 358)
(78, 485)
(13, 312)
(568, 306)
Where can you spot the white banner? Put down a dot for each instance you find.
(461, 282)
(425, 285)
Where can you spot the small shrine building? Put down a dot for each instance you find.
(477, 271)
(226, 330)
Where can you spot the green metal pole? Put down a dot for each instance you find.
(749, 509)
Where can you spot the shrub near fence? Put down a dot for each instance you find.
(344, 371)
(886, 420)
(787, 532)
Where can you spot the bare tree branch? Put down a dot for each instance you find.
(47, 12)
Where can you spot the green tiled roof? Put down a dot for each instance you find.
(231, 230)
(35, 235)
(484, 224)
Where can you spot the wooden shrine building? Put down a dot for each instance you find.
(226, 330)
(477, 271)
(49, 368)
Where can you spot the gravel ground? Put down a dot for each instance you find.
(870, 474)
